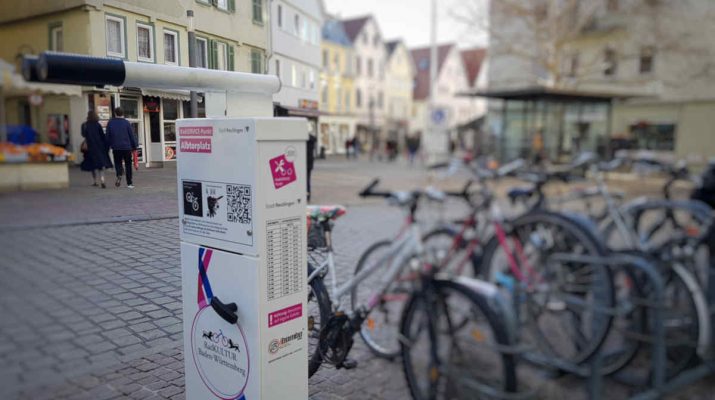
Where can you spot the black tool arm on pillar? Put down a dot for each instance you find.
(74, 69)
(225, 311)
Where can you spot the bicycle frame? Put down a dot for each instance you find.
(407, 244)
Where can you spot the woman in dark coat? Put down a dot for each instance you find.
(96, 154)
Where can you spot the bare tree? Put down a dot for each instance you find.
(549, 35)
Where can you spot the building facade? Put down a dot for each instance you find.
(438, 129)
(652, 59)
(369, 67)
(400, 74)
(230, 36)
(295, 56)
(337, 121)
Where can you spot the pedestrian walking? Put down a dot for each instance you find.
(122, 141)
(356, 147)
(348, 144)
(95, 149)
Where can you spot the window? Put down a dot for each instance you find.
(202, 53)
(145, 43)
(171, 49)
(423, 64)
(573, 66)
(256, 62)
(375, 40)
(56, 37)
(364, 38)
(379, 100)
(116, 40)
(293, 76)
(339, 97)
(221, 56)
(610, 63)
(324, 95)
(296, 24)
(358, 98)
(258, 11)
(357, 66)
(222, 4)
(369, 67)
(170, 109)
(278, 68)
(646, 60)
(336, 61)
(311, 78)
(347, 101)
(325, 58)
(280, 16)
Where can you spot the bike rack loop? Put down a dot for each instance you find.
(589, 370)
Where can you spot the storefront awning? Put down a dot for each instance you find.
(14, 85)
(542, 93)
(181, 95)
(297, 111)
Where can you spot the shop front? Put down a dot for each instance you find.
(334, 132)
(152, 115)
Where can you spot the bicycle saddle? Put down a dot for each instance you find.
(324, 213)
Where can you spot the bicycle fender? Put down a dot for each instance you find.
(501, 304)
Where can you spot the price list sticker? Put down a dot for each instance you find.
(283, 257)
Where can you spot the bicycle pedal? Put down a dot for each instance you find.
(347, 364)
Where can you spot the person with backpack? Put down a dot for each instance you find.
(123, 143)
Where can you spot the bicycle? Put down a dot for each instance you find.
(544, 293)
(427, 292)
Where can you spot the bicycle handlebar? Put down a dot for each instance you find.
(369, 190)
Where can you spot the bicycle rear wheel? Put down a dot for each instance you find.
(444, 361)
(555, 303)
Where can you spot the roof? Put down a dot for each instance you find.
(472, 60)
(354, 26)
(391, 46)
(333, 31)
(550, 94)
(421, 58)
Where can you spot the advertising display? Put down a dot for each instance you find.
(241, 188)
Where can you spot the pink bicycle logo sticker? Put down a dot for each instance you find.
(282, 170)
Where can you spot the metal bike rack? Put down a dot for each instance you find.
(590, 370)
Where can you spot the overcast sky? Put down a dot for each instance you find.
(409, 20)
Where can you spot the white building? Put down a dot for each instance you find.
(450, 108)
(295, 56)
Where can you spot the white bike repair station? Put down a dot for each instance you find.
(242, 221)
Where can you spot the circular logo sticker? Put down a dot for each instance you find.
(220, 354)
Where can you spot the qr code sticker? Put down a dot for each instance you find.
(238, 203)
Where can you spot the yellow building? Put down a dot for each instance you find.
(400, 75)
(337, 120)
(230, 35)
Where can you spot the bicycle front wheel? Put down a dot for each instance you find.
(379, 331)
(442, 360)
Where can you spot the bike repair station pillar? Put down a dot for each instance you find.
(241, 185)
(241, 189)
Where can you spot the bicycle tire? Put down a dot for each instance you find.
(318, 295)
(603, 292)
(507, 382)
(386, 349)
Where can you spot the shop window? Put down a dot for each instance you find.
(170, 110)
(654, 136)
(145, 43)
(171, 48)
(130, 107)
(115, 32)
